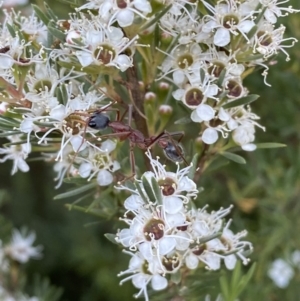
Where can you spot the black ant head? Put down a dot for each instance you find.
(98, 121)
(174, 152)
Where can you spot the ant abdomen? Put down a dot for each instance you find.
(174, 152)
(98, 121)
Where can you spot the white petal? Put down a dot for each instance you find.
(58, 113)
(159, 282)
(232, 124)
(104, 177)
(85, 169)
(166, 245)
(209, 26)
(195, 117)
(133, 202)
(124, 237)
(6, 61)
(146, 250)
(78, 143)
(178, 94)
(223, 115)
(125, 17)
(250, 147)
(210, 136)
(115, 34)
(175, 220)
(172, 204)
(140, 280)
(178, 77)
(230, 261)
(191, 261)
(124, 62)
(246, 26)
(22, 165)
(85, 58)
(205, 112)
(26, 125)
(116, 166)
(222, 37)
(270, 16)
(182, 240)
(213, 261)
(143, 6)
(186, 184)
(108, 146)
(211, 90)
(94, 37)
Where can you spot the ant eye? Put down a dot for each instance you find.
(98, 121)
(174, 153)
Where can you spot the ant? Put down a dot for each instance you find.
(172, 149)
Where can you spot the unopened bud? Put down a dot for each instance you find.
(72, 35)
(150, 97)
(166, 37)
(164, 86)
(141, 85)
(165, 110)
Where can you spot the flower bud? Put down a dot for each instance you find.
(165, 110)
(164, 86)
(150, 97)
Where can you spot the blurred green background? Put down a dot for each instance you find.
(265, 191)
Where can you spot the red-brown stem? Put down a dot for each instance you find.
(138, 107)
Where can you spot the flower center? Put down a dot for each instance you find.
(4, 49)
(167, 185)
(226, 243)
(194, 97)
(215, 122)
(43, 85)
(216, 68)
(234, 88)
(105, 54)
(145, 268)
(184, 61)
(264, 38)
(73, 124)
(121, 4)
(199, 249)
(154, 229)
(230, 21)
(171, 263)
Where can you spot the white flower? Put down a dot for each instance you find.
(281, 273)
(21, 249)
(228, 19)
(269, 40)
(273, 11)
(101, 45)
(296, 258)
(144, 272)
(17, 153)
(99, 163)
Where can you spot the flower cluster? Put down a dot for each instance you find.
(282, 271)
(20, 250)
(166, 232)
(211, 57)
